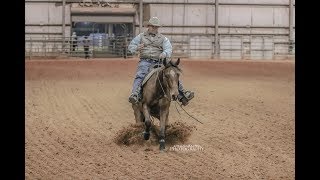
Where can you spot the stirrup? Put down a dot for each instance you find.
(186, 97)
(134, 98)
(189, 95)
(184, 101)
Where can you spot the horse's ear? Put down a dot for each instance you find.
(164, 61)
(177, 62)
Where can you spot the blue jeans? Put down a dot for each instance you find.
(142, 71)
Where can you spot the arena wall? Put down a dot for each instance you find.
(247, 29)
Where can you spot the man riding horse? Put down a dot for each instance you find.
(152, 47)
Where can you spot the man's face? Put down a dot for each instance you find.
(153, 29)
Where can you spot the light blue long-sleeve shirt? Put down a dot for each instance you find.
(167, 47)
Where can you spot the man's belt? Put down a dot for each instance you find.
(150, 60)
(149, 57)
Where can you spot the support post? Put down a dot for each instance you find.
(63, 24)
(290, 26)
(140, 15)
(216, 36)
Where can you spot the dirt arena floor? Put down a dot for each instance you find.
(76, 108)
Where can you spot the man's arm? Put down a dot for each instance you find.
(134, 44)
(167, 48)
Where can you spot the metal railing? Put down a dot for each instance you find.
(201, 46)
(98, 47)
(234, 47)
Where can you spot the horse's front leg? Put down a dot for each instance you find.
(164, 114)
(147, 121)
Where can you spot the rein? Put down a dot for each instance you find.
(187, 113)
(165, 95)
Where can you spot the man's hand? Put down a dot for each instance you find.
(162, 55)
(140, 46)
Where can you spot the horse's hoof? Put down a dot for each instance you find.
(162, 145)
(146, 135)
(162, 151)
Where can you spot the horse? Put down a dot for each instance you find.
(157, 93)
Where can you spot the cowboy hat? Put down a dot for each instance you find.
(154, 21)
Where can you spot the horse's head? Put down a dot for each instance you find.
(171, 75)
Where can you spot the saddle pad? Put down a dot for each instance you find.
(150, 74)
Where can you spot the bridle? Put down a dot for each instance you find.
(163, 76)
(163, 79)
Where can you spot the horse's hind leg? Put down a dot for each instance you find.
(147, 122)
(138, 114)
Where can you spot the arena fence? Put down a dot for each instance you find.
(234, 47)
(191, 46)
(98, 47)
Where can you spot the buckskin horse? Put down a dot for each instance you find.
(158, 90)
